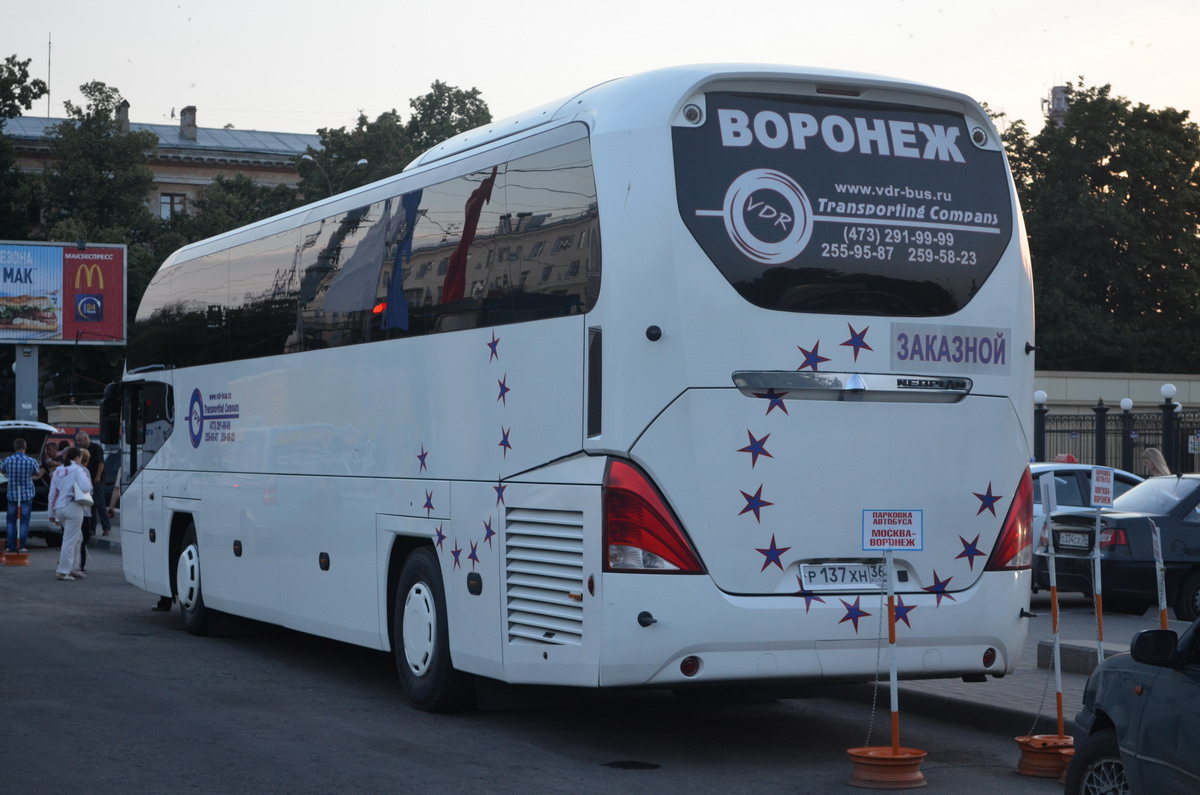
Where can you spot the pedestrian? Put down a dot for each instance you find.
(66, 511)
(99, 516)
(21, 470)
(1154, 462)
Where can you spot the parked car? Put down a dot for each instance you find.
(1140, 719)
(1073, 485)
(35, 435)
(1127, 571)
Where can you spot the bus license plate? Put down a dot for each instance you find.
(1074, 540)
(844, 576)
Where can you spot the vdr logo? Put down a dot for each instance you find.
(767, 216)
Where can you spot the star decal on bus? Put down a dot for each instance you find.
(809, 596)
(428, 501)
(755, 502)
(440, 535)
(773, 554)
(987, 502)
(504, 440)
(853, 612)
(858, 340)
(504, 389)
(756, 448)
(494, 345)
(499, 487)
(902, 610)
(421, 457)
(456, 552)
(488, 532)
(939, 589)
(970, 550)
(776, 399)
(812, 358)
(474, 555)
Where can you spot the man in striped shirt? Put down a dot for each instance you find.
(20, 470)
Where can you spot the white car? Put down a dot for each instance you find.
(35, 435)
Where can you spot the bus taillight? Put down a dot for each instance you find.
(1014, 548)
(640, 531)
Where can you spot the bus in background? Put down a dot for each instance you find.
(628, 391)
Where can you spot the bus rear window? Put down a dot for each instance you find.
(844, 208)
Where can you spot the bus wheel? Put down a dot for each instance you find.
(187, 584)
(421, 640)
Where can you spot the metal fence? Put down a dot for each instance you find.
(1117, 439)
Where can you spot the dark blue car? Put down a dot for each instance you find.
(1140, 721)
(1127, 574)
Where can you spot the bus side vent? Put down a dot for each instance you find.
(543, 562)
(595, 347)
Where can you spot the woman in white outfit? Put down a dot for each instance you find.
(65, 511)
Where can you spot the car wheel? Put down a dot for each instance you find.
(420, 638)
(1097, 767)
(1187, 600)
(187, 585)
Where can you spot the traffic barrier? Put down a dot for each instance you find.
(16, 559)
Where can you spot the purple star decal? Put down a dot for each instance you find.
(756, 448)
(474, 556)
(812, 358)
(858, 340)
(773, 554)
(776, 399)
(429, 501)
(987, 501)
(494, 346)
(440, 536)
(755, 502)
(488, 532)
(499, 487)
(456, 552)
(853, 612)
(504, 390)
(939, 588)
(970, 550)
(421, 457)
(902, 611)
(809, 596)
(504, 440)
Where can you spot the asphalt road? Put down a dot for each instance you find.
(104, 695)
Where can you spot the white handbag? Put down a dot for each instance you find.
(82, 497)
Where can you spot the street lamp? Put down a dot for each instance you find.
(1126, 435)
(358, 166)
(1039, 425)
(1168, 408)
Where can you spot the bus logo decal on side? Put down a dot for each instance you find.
(767, 216)
(217, 413)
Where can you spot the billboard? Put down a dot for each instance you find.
(53, 293)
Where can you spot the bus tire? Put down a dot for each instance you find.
(421, 640)
(1187, 600)
(187, 585)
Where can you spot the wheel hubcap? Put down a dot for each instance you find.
(1105, 777)
(420, 628)
(187, 576)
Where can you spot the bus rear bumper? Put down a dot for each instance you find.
(721, 638)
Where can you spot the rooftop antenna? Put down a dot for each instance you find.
(48, 63)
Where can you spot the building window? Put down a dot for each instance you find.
(170, 204)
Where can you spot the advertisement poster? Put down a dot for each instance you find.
(62, 293)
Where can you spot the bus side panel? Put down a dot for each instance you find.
(133, 534)
(156, 523)
(552, 601)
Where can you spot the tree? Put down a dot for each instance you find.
(230, 202)
(97, 175)
(17, 93)
(388, 144)
(1112, 208)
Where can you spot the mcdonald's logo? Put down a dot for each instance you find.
(93, 272)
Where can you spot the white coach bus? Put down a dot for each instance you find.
(627, 391)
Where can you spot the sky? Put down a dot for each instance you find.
(299, 66)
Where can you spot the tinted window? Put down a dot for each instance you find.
(513, 242)
(817, 206)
